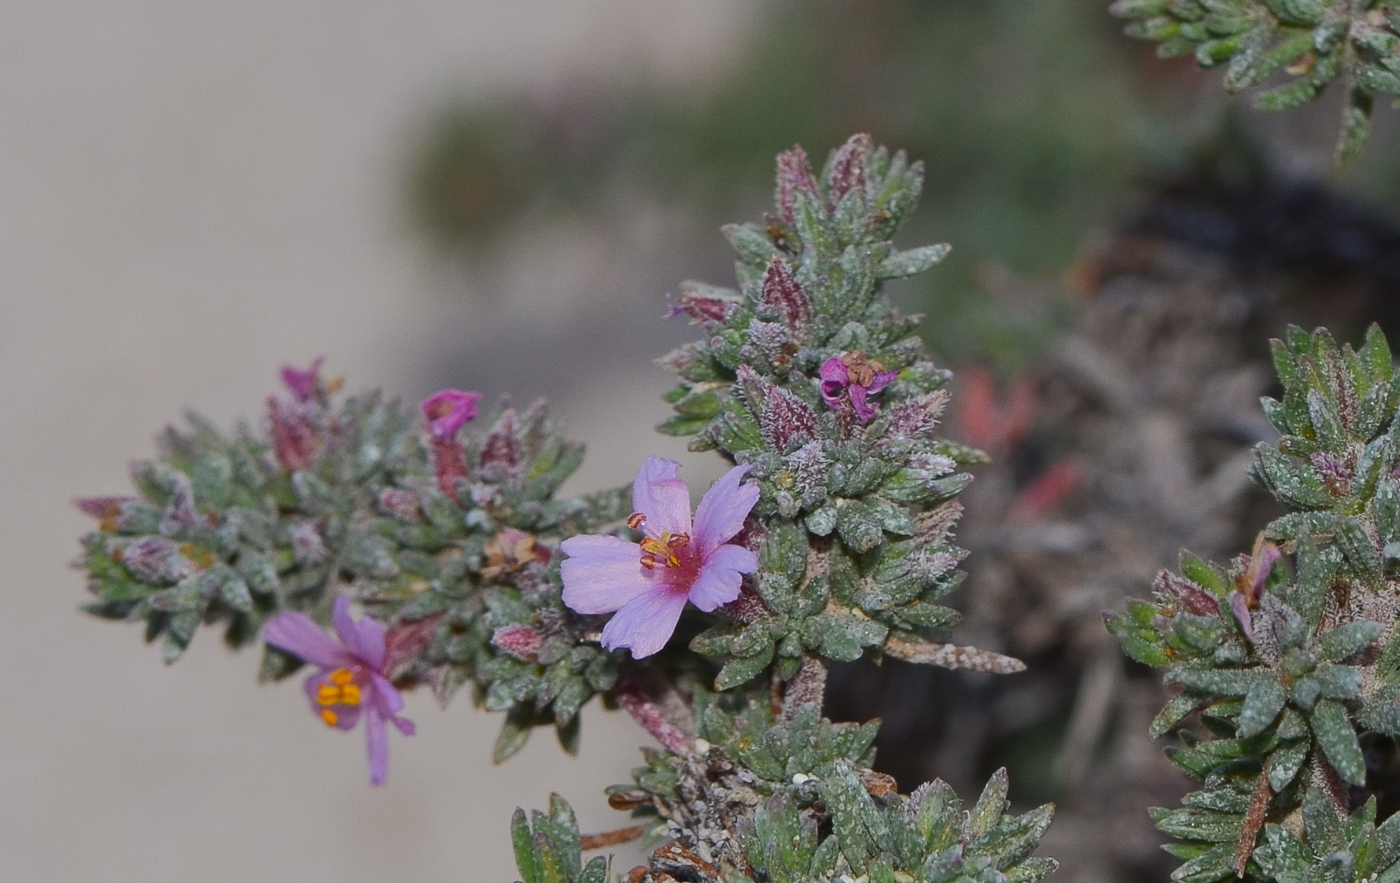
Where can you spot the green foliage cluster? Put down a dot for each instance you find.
(813, 809)
(1313, 41)
(340, 498)
(856, 507)
(1292, 671)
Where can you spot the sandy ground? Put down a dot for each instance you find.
(190, 195)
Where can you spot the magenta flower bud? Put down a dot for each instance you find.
(353, 680)
(793, 175)
(447, 411)
(678, 560)
(520, 641)
(304, 384)
(848, 168)
(782, 294)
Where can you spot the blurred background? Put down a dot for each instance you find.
(498, 196)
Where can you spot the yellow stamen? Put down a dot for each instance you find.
(663, 549)
(341, 676)
(328, 695)
(350, 695)
(329, 717)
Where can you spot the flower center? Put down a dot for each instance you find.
(862, 371)
(664, 549)
(339, 689)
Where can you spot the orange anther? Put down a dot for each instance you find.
(329, 717)
(341, 676)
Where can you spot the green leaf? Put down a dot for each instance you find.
(911, 262)
(1262, 704)
(1286, 763)
(1343, 641)
(1337, 738)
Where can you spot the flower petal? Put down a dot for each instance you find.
(386, 696)
(601, 573)
(403, 725)
(377, 741)
(646, 623)
(722, 511)
(882, 380)
(834, 378)
(662, 497)
(299, 634)
(864, 410)
(365, 638)
(721, 576)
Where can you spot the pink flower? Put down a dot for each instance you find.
(853, 377)
(352, 680)
(648, 583)
(448, 410)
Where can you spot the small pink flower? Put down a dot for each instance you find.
(649, 583)
(851, 377)
(448, 411)
(353, 677)
(303, 384)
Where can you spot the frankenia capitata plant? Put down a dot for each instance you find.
(828, 538)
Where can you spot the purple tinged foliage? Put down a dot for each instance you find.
(918, 417)
(786, 420)
(1189, 595)
(154, 560)
(401, 504)
(1333, 472)
(794, 175)
(501, 448)
(852, 378)
(701, 308)
(520, 641)
(784, 296)
(448, 411)
(848, 168)
(353, 678)
(295, 440)
(679, 559)
(308, 547)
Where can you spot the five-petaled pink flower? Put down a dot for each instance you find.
(648, 583)
(854, 377)
(352, 679)
(448, 410)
